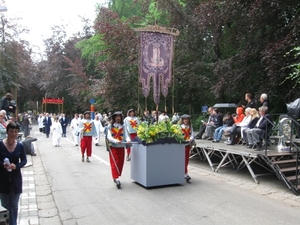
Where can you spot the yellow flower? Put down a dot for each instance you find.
(152, 132)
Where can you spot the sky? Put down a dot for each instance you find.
(40, 15)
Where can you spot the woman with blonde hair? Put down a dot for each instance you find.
(254, 118)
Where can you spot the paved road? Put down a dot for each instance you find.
(60, 189)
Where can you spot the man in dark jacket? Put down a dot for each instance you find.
(204, 124)
(216, 121)
(25, 125)
(64, 123)
(264, 101)
(250, 102)
(5, 103)
(48, 123)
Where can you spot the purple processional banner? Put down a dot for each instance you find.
(156, 63)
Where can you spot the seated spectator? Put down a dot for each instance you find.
(253, 114)
(29, 147)
(3, 124)
(236, 130)
(203, 126)
(258, 132)
(227, 122)
(238, 117)
(4, 113)
(254, 118)
(215, 122)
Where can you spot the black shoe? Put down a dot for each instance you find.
(206, 137)
(215, 141)
(230, 143)
(209, 139)
(197, 137)
(187, 178)
(33, 154)
(258, 147)
(249, 146)
(118, 184)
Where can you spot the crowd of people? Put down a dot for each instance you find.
(13, 155)
(247, 126)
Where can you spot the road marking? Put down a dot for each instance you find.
(95, 156)
(101, 160)
(72, 142)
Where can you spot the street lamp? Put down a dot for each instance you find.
(3, 7)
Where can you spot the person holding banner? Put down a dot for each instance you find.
(187, 132)
(117, 138)
(87, 131)
(131, 123)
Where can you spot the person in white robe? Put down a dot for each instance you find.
(99, 129)
(56, 131)
(74, 126)
(41, 122)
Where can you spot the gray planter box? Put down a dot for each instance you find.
(157, 165)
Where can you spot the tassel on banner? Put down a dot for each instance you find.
(165, 105)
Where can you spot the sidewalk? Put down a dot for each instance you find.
(36, 205)
(28, 210)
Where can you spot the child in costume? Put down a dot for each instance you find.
(131, 124)
(117, 138)
(87, 131)
(188, 134)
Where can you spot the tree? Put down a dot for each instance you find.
(239, 42)
(17, 70)
(295, 73)
(119, 84)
